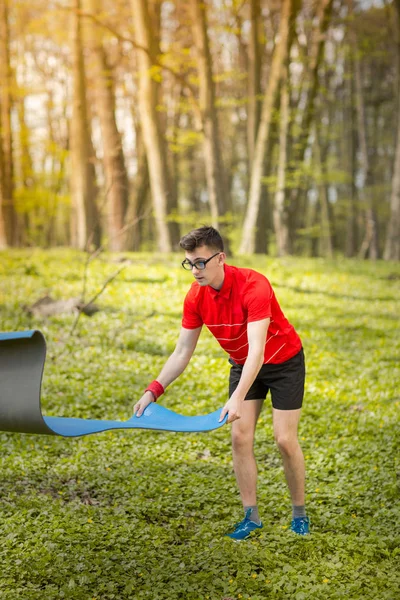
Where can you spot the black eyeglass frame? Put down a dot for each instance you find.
(187, 263)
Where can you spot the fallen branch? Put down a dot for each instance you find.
(48, 307)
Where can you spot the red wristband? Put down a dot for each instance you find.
(155, 388)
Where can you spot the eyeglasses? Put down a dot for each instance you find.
(199, 264)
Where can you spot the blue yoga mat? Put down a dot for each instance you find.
(154, 417)
(22, 358)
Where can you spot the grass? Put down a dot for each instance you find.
(142, 514)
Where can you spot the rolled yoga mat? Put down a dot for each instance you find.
(22, 358)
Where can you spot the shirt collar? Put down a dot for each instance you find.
(225, 291)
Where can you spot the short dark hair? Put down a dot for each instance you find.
(203, 236)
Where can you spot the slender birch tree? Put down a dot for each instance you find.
(349, 141)
(392, 245)
(249, 226)
(254, 104)
(140, 196)
(325, 236)
(116, 177)
(254, 77)
(311, 79)
(369, 246)
(85, 227)
(215, 175)
(3, 235)
(280, 214)
(151, 125)
(307, 97)
(8, 218)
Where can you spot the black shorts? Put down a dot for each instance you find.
(286, 382)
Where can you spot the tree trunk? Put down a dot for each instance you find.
(392, 244)
(116, 177)
(350, 154)
(176, 96)
(55, 228)
(152, 134)
(8, 217)
(85, 229)
(280, 52)
(3, 235)
(280, 211)
(254, 70)
(265, 224)
(369, 245)
(25, 169)
(254, 78)
(312, 228)
(215, 176)
(307, 98)
(4, 217)
(323, 14)
(192, 181)
(325, 238)
(139, 196)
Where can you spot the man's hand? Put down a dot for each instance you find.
(232, 409)
(143, 403)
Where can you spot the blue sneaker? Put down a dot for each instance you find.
(300, 525)
(243, 529)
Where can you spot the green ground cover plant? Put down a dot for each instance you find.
(141, 514)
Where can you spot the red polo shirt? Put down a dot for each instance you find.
(245, 296)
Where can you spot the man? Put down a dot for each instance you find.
(239, 307)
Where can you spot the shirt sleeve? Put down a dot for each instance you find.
(258, 300)
(191, 318)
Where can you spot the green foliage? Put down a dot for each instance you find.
(142, 514)
(179, 140)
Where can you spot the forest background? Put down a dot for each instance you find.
(125, 123)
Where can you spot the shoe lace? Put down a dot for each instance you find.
(300, 524)
(243, 521)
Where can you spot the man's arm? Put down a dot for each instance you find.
(174, 366)
(256, 335)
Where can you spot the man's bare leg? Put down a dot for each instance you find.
(285, 431)
(244, 462)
